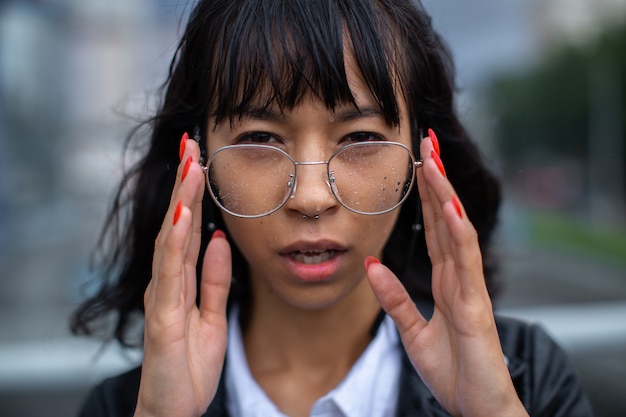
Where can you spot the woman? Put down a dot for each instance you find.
(306, 116)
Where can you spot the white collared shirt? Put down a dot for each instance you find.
(370, 389)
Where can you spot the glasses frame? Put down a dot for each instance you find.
(415, 163)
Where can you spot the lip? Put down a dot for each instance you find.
(313, 261)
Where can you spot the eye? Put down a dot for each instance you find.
(362, 137)
(257, 137)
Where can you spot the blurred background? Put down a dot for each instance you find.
(542, 87)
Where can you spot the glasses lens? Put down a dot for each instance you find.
(250, 180)
(371, 177)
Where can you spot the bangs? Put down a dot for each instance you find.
(274, 54)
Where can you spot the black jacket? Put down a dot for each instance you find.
(542, 374)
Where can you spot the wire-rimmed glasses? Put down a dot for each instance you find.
(254, 180)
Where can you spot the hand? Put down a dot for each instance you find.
(457, 353)
(184, 345)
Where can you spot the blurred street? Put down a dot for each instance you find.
(582, 304)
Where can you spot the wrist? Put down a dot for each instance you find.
(514, 409)
(504, 405)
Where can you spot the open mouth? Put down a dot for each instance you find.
(312, 257)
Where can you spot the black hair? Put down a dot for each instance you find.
(235, 54)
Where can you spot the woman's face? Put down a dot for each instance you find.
(311, 263)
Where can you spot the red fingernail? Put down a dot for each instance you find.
(369, 260)
(218, 234)
(186, 169)
(179, 208)
(457, 207)
(183, 143)
(438, 162)
(433, 139)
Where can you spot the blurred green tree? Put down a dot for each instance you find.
(547, 113)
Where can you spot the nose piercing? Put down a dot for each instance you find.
(316, 217)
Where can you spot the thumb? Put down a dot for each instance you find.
(394, 298)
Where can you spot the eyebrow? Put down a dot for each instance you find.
(344, 115)
(352, 113)
(261, 113)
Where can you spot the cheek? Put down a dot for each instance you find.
(373, 231)
(246, 234)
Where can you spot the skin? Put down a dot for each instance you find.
(305, 335)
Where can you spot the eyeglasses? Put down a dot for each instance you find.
(254, 180)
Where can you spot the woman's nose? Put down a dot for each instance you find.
(312, 194)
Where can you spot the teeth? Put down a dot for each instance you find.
(311, 258)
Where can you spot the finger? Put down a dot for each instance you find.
(183, 171)
(431, 208)
(451, 217)
(186, 150)
(188, 188)
(216, 277)
(394, 299)
(468, 257)
(195, 176)
(168, 282)
(456, 235)
(194, 237)
(191, 190)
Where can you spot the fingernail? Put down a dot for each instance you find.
(438, 162)
(457, 207)
(369, 260)
(433, 139)
(179, 208)
(218, 234)
(183, 143)
(186, 169)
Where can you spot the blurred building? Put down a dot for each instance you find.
(577, 20)
(74, 77)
